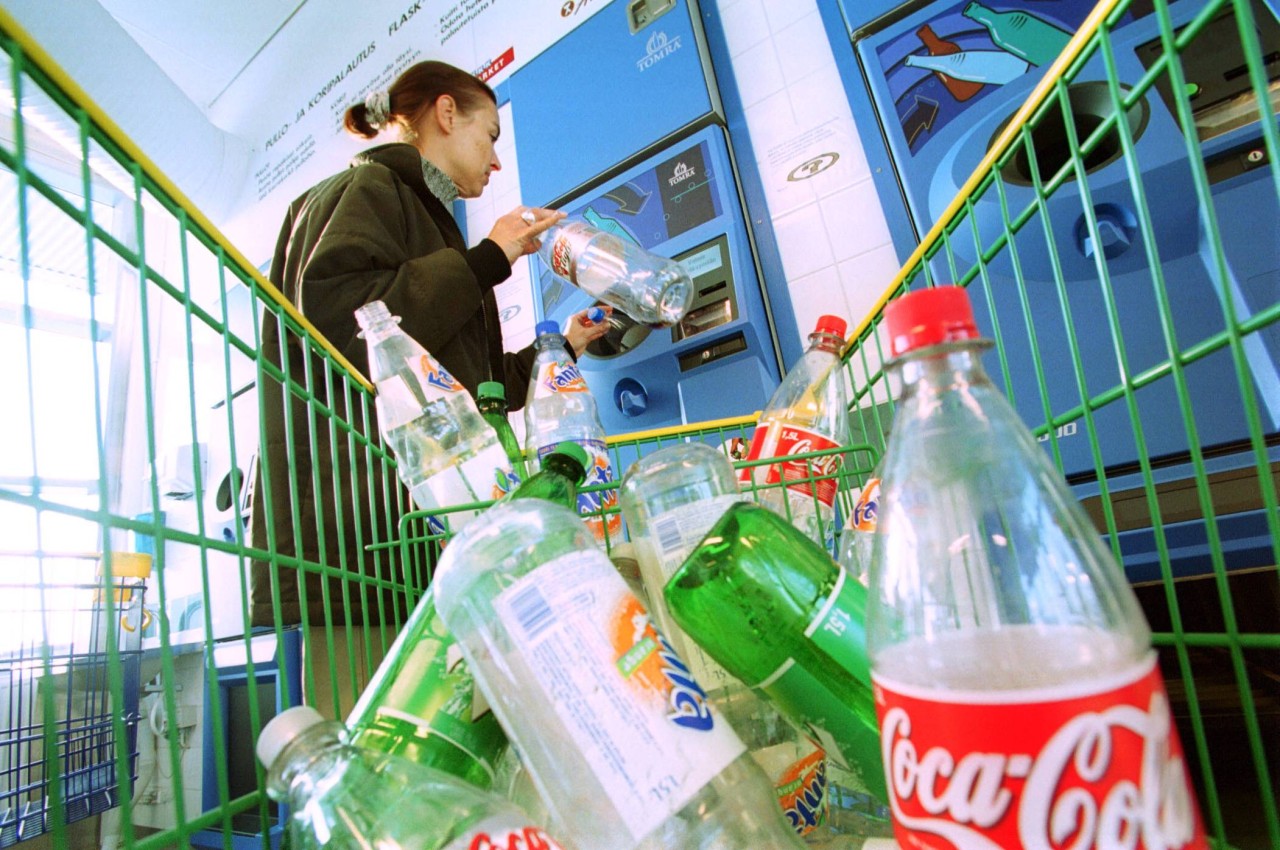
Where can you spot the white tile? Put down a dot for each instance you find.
(864, 279)
(802, 242)
(757, 73)
(784, 13)
(854, 220)
(803, 48)
(745, 25)
(773, 141)
(816, 294)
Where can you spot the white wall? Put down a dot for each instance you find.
(830, 228)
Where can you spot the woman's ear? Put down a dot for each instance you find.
(446, 112)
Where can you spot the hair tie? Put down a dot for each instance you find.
(377, 108)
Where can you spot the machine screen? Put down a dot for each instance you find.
(713, 301)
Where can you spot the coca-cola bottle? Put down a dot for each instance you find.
(1019, 699)
(807, 413)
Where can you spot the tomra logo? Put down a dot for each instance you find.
(657, 48)
(681, 173)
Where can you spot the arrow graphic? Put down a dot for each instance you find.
(629, 198)
(920, 119)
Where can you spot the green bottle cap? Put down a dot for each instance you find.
(573, 451)
(491, 389)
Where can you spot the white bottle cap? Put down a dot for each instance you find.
(283, 729)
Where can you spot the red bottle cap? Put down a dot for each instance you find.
(831, 325)
(929, 317)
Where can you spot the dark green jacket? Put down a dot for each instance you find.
(371, 232)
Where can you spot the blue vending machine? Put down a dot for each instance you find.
(638, 148)
(943, 80)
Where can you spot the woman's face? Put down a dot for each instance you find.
(470, 149)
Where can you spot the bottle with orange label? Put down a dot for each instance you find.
(446, 454)
(808, 413)
(860, 529)
(616, 733)
(1020, 701)
(560, 408)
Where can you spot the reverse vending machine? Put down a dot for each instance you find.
(643, 154)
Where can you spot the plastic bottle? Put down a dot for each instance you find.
(343, 797)
(445, 452)
(772, 607)
(670, 499)
(420, 704)
(617, 736)
(976, 66)
(859, 531)
(807, 413)
(562, 473)
(652, 290)
(1021, 33)
(961, 90)
(491, 400)
(1005, 640)
(560, 407)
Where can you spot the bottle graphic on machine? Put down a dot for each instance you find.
(979, 66)
(961, 90)
(807, 413)
(653, 290)
(1004, 638)
(617, 736)
(344, 796)
(446, 454)
(560, 407)
(1021, 33)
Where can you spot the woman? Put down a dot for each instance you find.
(380, 230)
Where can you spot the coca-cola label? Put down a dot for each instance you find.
(815, 476)
(502, 833)
(867, 510)
(1093, 767)
(839, 628)
(561, 255)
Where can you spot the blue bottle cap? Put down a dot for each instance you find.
(546, 327)
(595, 315)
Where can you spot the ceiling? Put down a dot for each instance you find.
(202, 45)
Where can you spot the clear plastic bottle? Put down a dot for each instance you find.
(560, 407)
(652, 290)
(807, 413)
(618, 737)
(670, 499)
(446, 454)
(343, 797)
(859, 531)
(1005, 641)
(491, 400)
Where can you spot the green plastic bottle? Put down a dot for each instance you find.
(562, 473)
(773, 609)
(491, 398)
(1023, 34)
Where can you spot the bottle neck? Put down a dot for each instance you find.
(305, 759)
(380, 331)
(939, 368)
(830, 343)
(492, 405)
(565, 467)
(549, 342)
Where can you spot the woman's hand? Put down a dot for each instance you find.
(517, 232)
(581, 331)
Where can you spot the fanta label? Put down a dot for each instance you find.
(802, 792)
(560, 378)
(500, 833)
(868, 507)
(1089, 767)
(624, 699)
(814, 476)
(434, 375)
(600, 507)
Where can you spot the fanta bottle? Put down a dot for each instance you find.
(1020, 701)
(446, 454)
(617, 735)
(560, 408)
(859, 530)
(808, 413)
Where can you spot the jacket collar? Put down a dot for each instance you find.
(406, 162)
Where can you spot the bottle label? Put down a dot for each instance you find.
(569, 241)
(599, 471)
(782, 440)
(503, 833)
(1084, 765)
(839, 629)
(559, 377)
(866, 512)
(611, 678)
(801, 785)
(434, 376)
